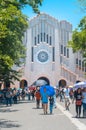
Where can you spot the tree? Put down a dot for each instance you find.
(82, 4)
(13, 24)
(78, 42)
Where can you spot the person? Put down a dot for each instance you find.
(54, 96)
(29, 94)
(67, 97)
(19, 94)
(71, 94)
(33, 94)
(23, 94)
(61, 94)
(44, 98)
(78, 102)
(9, 97)
(1, 96)
(38, 98)
(84, 101)
(51, 99)
(15, 96)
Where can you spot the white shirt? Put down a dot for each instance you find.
(67, 91)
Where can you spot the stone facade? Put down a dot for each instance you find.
(47, 54)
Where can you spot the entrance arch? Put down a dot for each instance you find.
(23, 84)
(45, 79)
(62, 83)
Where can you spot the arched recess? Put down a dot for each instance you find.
(45, 79)
(62, 83)
(23, 83)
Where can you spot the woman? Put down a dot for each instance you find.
(44, 97)
(78, 103)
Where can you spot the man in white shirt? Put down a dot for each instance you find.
(67, 97)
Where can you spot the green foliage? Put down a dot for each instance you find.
(78, 42)
(12, 27)
(82, 4)
(22, 3)
(82, 24)
(13, 24)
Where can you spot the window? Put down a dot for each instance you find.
(35, 40)
(50, 41)
(82, 65)
(67, 53)
(32, 59)
(47, 38)
(41, 37)
(76, 61)
(64, 51)
(79, 64)
(61, 49)
(38, 38)
(44, 37)
(53, 54)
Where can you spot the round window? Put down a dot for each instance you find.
(42, 56)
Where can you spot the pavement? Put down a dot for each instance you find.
(25, 116)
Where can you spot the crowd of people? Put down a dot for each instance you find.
(66, 95)
(11, 96)
(77, 96)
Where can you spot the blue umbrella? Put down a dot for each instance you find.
(50, 90)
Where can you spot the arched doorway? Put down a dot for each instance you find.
(23, 84)
(62, 83)
(45, 79)
(41, 81)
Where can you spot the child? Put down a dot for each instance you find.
(51, 99)
(38, 98)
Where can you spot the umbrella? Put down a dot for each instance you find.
(50, 90)
(40, 82)
(80, 85)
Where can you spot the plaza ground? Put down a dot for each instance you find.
(25, 116)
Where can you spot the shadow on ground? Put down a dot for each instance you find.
(25, 101)
(7, 110)
(8, 124)
(37, 108)
(79, 117)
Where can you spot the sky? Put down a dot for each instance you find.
(68, 10)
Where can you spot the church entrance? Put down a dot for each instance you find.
(23, 84)
(62, 83)
(42, 81)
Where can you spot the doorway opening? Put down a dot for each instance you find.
(23, 84)
(62, 83)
